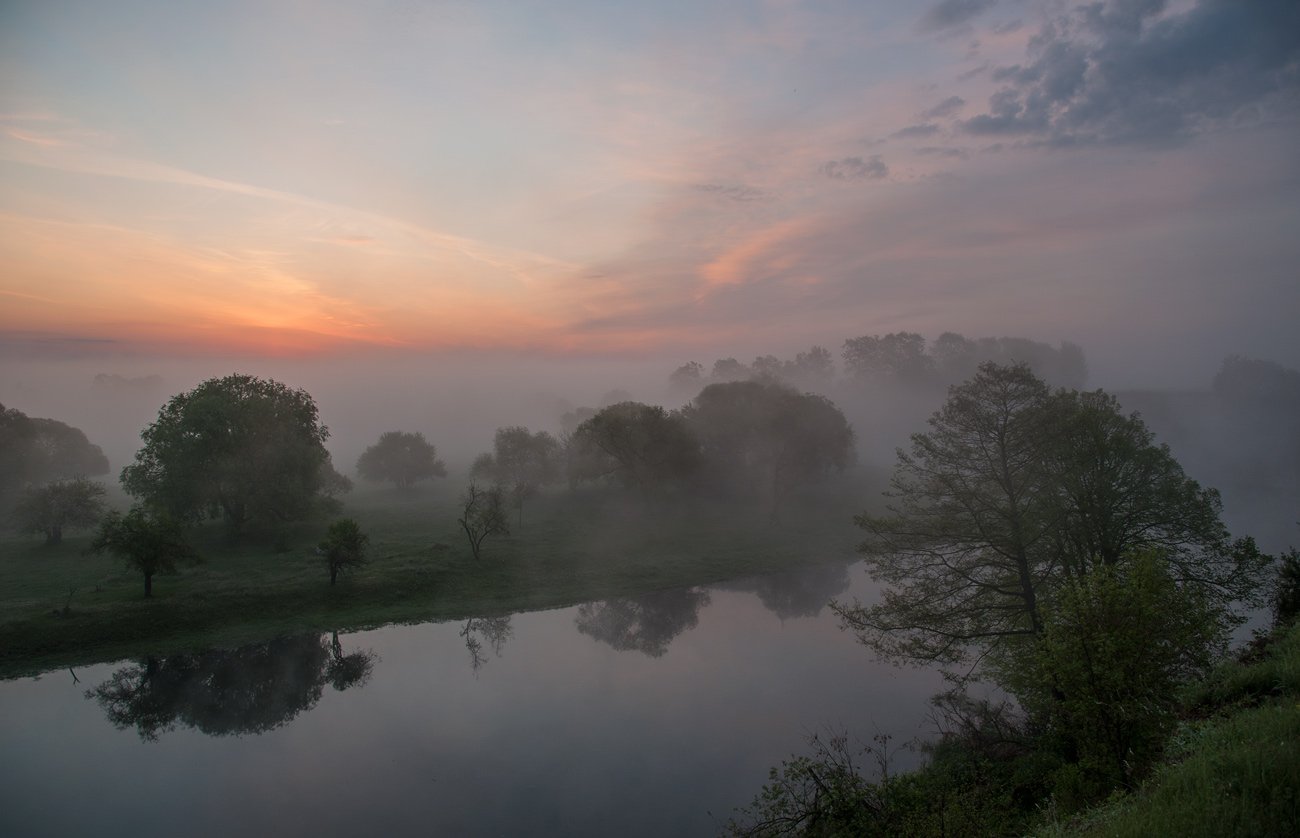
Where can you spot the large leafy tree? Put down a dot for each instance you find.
(242, 448)
(63, 504)
(1016, 489)
(638, 445)
(763, 433)
(521, 462)
(34, 451)
(403, 458)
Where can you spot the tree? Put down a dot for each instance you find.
(60, 505)
(37, 451)
(687, 377)
(241, 448)
(1015, 490)
(899, 357)
(344, 547)
(521, 462)
(146, 543)
(646, 623)
(483, 513)
(638, 445)
(402, 458)
(1102, 677)
(766, 434)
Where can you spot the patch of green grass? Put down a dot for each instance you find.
(1237, 773)
(572, 547)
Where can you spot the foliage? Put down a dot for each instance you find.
(242, 448)
(899, 357)
(344, 547)
(483, 513)
(1286, 594)
(963, 551)
(60, 505)
(403, 458)
(1015, 490)
(1100, 680)
(38, 451)
(150, 544)
(521, 462)
(636, 444)
(766, 434)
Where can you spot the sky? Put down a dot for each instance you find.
(595, 179)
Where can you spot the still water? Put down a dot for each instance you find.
(649, 716)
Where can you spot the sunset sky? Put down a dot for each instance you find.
(599, 178)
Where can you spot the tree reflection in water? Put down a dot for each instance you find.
(494, 631)
(646, 623)
(252, 689)
(798, 593)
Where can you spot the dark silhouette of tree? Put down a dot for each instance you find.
(766, 434)
(483, 513)
(61, 505)
(521, 462)
(898, 358)
(344, 547)
(646, 623)
(635, 444)
(241, 448)
(35, 451)
(249, 690)
(150, 544)
(1012, 491)
(403, 458)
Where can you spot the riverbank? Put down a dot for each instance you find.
(61, 607)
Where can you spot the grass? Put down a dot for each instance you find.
(1234, 773)
(61, 607)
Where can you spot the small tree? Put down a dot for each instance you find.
(62, 504)
(344, 547)
(402, 458)
(522, 462)
(483, 513)
(146, 543)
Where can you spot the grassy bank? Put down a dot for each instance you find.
(60, 607)
(1234, 772)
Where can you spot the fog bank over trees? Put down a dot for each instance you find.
(1236, 428)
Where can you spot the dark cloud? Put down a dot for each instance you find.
(855, 168)
(1124, 72)
(732, 192)
(925, 129)
(946, 108)
(943, 151)
(950, 13)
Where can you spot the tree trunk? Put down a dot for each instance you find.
(148, 585)
(334, 573)
(54, 535)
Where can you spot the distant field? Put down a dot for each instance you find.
(573, 546)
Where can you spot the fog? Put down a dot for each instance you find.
(458, 400)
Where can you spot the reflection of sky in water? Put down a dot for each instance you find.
(560, 733)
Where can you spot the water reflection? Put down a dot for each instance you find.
(252, 689)
(798, 593)
(646, 623)
(494, 631)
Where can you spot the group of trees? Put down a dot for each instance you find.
(899, 359)
(44, 466)
(739, 436)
